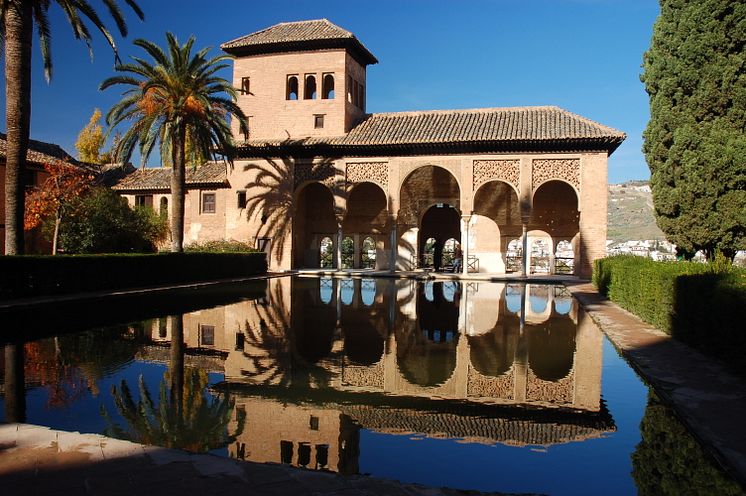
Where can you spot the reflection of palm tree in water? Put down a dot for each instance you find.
(185, 416)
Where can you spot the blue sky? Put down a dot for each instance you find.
(581, 55)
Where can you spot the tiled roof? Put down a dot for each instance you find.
(39, 152)
(476, 429)
(289, 36)
(513, 125)
(211, 173)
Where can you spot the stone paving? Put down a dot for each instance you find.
(708, 400)
(37, 460)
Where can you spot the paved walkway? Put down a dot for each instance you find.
(710, 401)
(40, 461)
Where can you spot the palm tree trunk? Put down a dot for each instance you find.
(177, 190)
(18, 32)
(176, 364)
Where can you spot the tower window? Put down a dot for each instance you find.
(291, 92)
(245, 86)
(310, 89)
(318, 121)
(241, 199)
(327, 90)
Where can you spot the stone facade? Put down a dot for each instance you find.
(399, 191)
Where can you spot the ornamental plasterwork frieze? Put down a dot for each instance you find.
(374, 172)
(481, 386)
(566, 169)
(557, 392)
(324, 172)
(497, 170)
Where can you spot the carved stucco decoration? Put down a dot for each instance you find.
(567, 169)
(324, 172)
(482, 386)
(557, 392)
(374, 172)
(502, 170)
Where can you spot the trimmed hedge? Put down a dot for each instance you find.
(26, 276)
(703, 305)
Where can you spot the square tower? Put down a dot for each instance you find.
(299, 79)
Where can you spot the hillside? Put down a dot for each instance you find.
(631, 214)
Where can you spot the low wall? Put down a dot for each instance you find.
(29, 276)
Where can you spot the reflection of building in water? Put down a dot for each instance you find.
(485, 345)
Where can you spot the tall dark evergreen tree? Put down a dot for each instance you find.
(695, 142)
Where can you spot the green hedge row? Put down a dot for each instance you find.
(703, 305)
(26, 276)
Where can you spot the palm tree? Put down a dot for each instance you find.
(17, 20)
(179, 102)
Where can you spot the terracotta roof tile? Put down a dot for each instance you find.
(40, 153)
(294, 35)
(211, 173)
(486, 125)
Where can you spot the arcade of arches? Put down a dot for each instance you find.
(450, 214)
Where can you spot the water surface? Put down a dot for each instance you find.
(487, 386)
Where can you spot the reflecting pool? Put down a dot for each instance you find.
(486, 386)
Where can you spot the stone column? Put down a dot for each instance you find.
(465, 243)
(393, 244)
(526, 254)
(338, 250)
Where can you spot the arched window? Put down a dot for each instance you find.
(327, 87)
(326, 255)
(428, 253)
(291, 92)
(310, 89)
(348, 253)
(368, 255)
(514, 256)
(449, 252)
(540, 256)
(564, 258)
(164, 207)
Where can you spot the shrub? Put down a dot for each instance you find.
(703, 305)
(220, 246)
(103, 222)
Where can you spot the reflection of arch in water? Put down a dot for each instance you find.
(492, 353)
(513, 298)
(551, 348)
(363, 344)
(538, 303)
(368, 290)
(426, 354)
(326, 290)
(313, 323)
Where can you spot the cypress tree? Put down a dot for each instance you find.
(695, 141)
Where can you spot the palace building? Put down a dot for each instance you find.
(321, 183)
